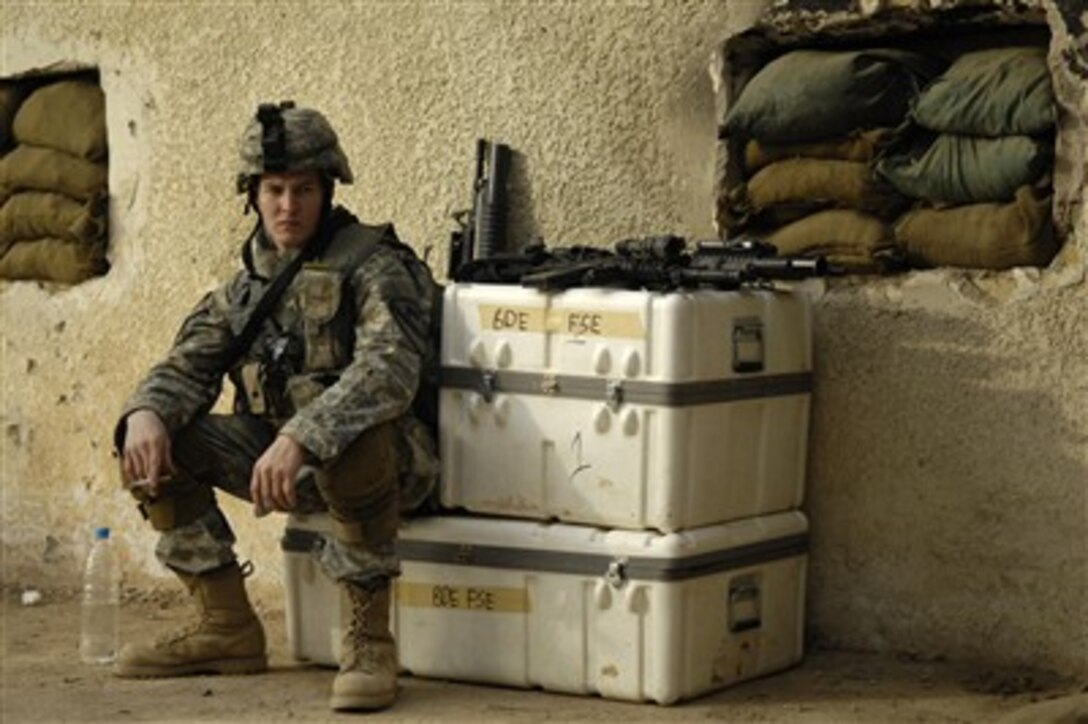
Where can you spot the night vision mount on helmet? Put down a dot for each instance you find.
(282, 137)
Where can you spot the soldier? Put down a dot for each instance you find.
(325, 380)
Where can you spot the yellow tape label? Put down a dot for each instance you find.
(504, 318)
(575, 322)
(466, 598)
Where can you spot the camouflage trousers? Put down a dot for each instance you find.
(359, 489)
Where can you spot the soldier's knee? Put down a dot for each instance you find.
(361, 489)
(367, 466)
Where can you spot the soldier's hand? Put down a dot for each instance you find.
(272, 484)
(147, 450)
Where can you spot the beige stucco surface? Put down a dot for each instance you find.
(949, 447)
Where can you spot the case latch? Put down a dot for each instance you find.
(487, 385)
(745, 604)
(464, 554)
(549, 384)
(748, 344)
(613, 394)
(616, 573)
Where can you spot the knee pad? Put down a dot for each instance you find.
(169, 510)
(361, 488)
(370, 528)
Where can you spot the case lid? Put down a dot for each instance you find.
(581, 550)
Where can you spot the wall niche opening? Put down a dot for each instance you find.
(54, 175)
(891, 136)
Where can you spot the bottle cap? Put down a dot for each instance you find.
(101, 533)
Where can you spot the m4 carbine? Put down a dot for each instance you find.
(662, 263)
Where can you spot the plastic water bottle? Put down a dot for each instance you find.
(101, 602)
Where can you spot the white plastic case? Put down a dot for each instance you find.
(622, 408)
(640, 616)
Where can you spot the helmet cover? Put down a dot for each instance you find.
(283, 138)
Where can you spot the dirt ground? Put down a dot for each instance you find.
(42, 680)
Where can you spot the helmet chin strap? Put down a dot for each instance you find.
(250, 184)
(326, 208)
(328, 186)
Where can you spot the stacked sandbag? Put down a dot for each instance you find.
(53, 184)
(11, 97)
(988, 236)
(811, 122)
(977, 155)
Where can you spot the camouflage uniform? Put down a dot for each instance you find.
(336, 366)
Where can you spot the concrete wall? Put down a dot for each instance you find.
(948, 461)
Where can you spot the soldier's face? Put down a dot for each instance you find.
(290, 205)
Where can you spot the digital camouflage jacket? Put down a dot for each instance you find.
(344, 351)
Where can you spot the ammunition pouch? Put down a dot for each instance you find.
(252, 389)
(303, 389)
(320, 291)
(296, 367)
(266, 392)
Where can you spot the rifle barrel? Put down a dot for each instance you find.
(785, 267)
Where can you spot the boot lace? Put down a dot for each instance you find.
(365, 649)
(188, 629)
(198, 625)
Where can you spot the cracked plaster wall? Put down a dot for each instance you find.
(949, 449)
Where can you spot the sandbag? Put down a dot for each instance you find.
(968, 170)
(53, 260)
(812, 95)
(848, 184)
(11, 97)
(743, 221)
(987, 236)
(69, 116)
(857, 146)
(737, 217)
(850, 239)
(38, 214)
(1000, 92)
(45, 169)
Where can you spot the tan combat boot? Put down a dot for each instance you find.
(368, 658)
(228, 638)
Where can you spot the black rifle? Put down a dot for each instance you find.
(512, 268)
(636, 263)
(662, 263)
(481, 229)
(720, 264)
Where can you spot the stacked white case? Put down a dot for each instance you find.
(674, 425)
(634, 615)
(625, 409)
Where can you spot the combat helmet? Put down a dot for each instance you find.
(281, 137)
